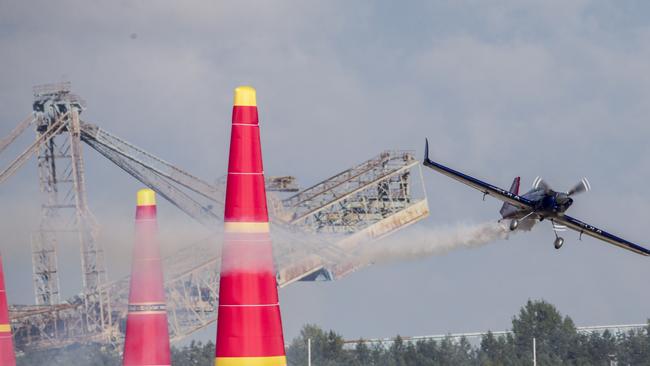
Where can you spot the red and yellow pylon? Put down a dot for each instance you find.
(249, 326)
(7, 356)
(147, 336)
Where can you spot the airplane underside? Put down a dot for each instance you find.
(539, 204)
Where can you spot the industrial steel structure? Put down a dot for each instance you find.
(315, 230)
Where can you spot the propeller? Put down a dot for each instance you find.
(540, 183)
(582, 186)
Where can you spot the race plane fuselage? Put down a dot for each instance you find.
(539, 204)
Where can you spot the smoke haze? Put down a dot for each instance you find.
(552, 88)
(422, 242)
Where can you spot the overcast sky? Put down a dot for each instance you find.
(559, 89)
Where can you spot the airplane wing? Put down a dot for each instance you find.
(597, 233)
(486, 188)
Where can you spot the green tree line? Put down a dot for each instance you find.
(557, 343)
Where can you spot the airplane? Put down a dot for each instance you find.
(539, 204)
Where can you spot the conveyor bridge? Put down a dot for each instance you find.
(315, 230)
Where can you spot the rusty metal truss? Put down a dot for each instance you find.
(316, 231)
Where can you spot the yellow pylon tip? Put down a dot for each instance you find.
(245, 96)
(146, 197)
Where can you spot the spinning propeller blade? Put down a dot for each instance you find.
(582, 186)
(540, 183)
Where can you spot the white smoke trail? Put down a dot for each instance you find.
(296, 253)
(423, 242)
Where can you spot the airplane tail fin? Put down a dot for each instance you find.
(514, 188)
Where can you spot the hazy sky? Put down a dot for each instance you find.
(559, 89)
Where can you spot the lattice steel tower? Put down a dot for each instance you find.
(64, 212)
(353, 208)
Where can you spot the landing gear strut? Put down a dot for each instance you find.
(559, 241)
(514, 223)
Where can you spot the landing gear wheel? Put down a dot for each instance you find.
(514, 224)
(558, 242)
